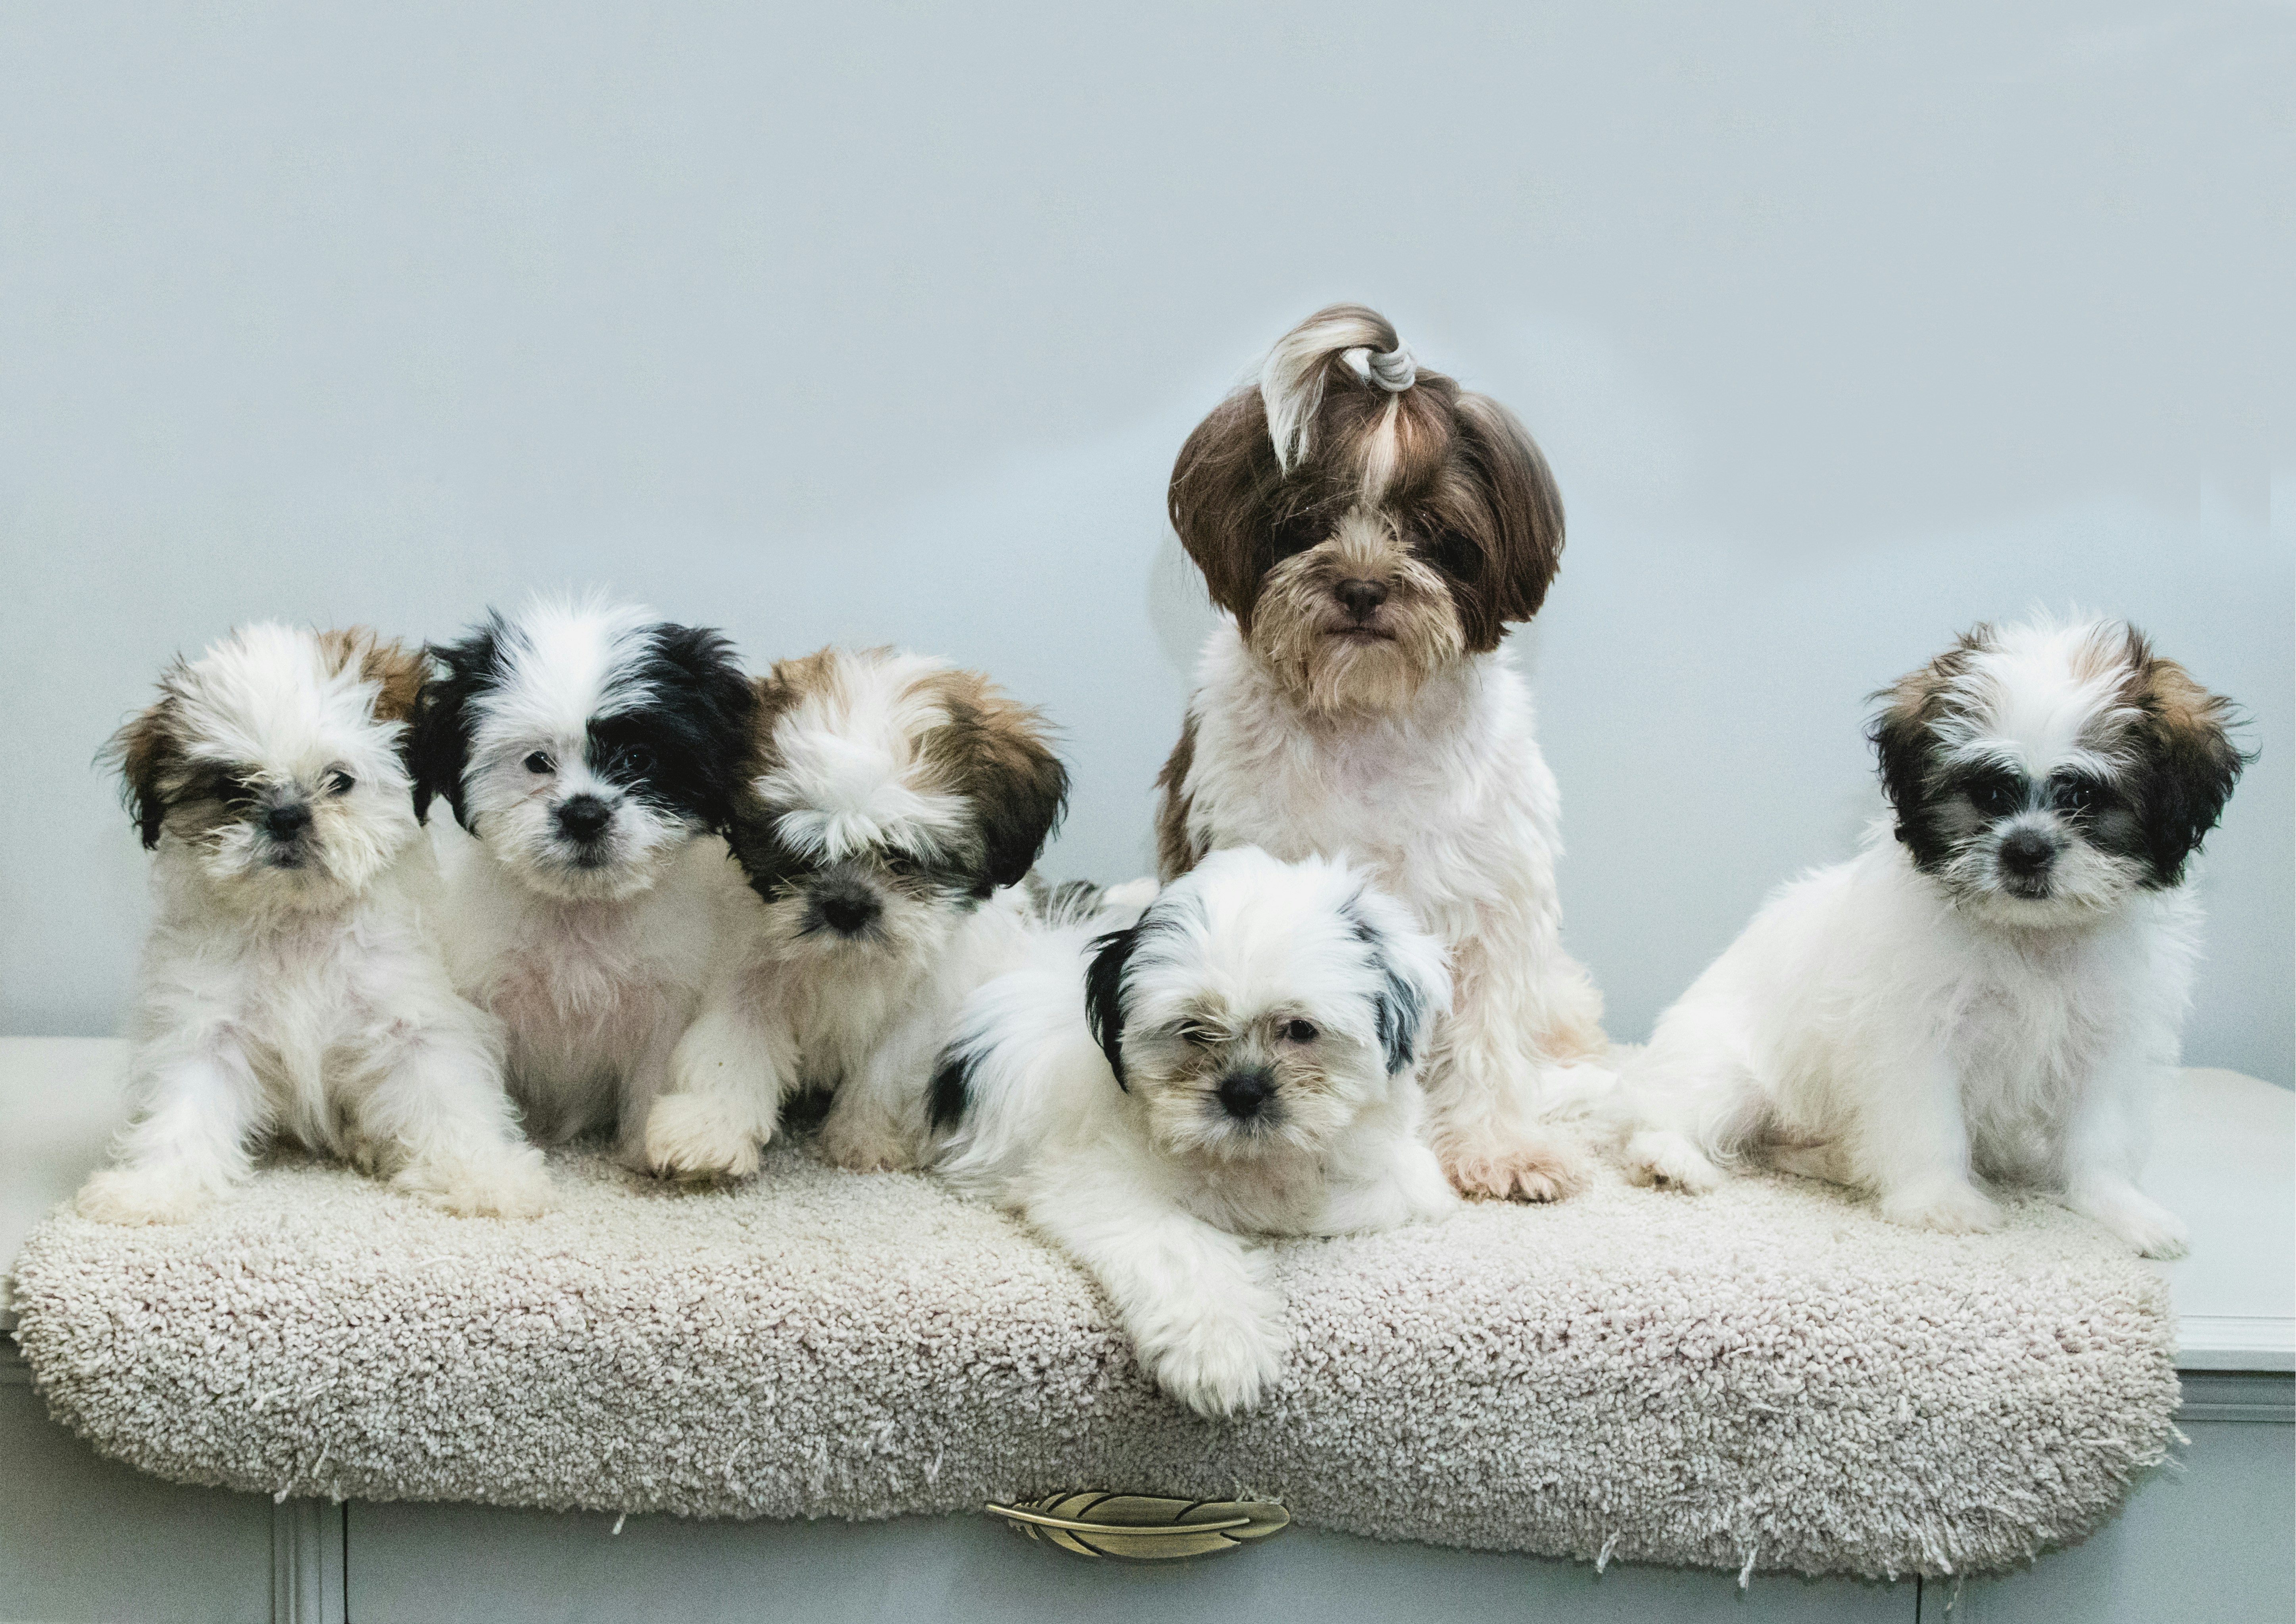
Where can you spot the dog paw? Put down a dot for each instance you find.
(511, 1184)
(1665, 1159)
(864, 1150)
(1532, 1169)
(1949, 1209)
(1426, 1195)
(2144, 1223)
(692, 1137)
(145, 1195)
(1221, 1364)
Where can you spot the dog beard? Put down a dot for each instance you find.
(1336, 664)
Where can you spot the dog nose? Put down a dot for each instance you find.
(1359, 598)
(1243, 1095)
(848, 910)
(2028, 852)
(287, 820)
(585, 818)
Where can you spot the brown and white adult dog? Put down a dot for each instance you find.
(1373, 528)
(891, 805)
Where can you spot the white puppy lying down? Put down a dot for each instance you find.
(1996, 992)
(1240, 1061)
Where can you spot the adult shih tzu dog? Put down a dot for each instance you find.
(291, 987)
(1372, 529)
(592, 751)
(1995, 994)
(1242, 1060)
(891, 807)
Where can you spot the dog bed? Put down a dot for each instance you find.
(1768, 1378)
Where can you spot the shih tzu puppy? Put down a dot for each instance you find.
(890, 808)
(1373, 528)
(592, 752)
(291, 987)
(1240, 1061)
(1995, 993)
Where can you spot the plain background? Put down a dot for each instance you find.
(1844, 326)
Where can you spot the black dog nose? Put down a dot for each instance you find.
(1244, 1095)
(848, 910)
(286, 821)
(1359, 598)
(585, 818)
(2026, 852)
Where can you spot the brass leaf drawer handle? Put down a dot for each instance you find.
(1144, 1527)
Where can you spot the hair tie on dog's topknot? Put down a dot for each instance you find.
(1292, 377)
(1394, 370)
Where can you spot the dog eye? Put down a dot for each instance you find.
(540, 762)
(634, 758)
(340, 783)
(2075, 796)
(1189, 1032)
(901, 864)
(1300, 1031)
(1457, 557)
(1995, 798)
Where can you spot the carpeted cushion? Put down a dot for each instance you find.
(1770, 1375)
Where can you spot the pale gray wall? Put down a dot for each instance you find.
(1844, 326)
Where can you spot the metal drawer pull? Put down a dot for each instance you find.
(1143, 1527)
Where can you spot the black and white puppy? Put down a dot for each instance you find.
(592, 752)
(1995, 994)
(891, 808)
(1242, 1060)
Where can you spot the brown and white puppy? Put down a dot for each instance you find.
(892, 806)
(1372, 531)
(1996, 993)
(291, 987)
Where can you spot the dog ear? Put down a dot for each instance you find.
(1904, 736)
(2188, 762)
(150, 753)
(1413, 985)
(1103, 994)
(993, 753)
(1521, 533)
(397, 671)
(1223, 497)
(714, 722)
(438, 739)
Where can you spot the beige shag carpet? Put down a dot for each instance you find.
(1767, 1377)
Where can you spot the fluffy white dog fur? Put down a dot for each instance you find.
(1242, 1060)
(1995, 994)
(591, 751)
(893, 804)
(1373, 528)
(291, 986)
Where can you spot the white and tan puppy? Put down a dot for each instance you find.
(1240, 1061)
(592, 753)
(891, 807)
(1372, 528)
(1995, 994)
(291, 987)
